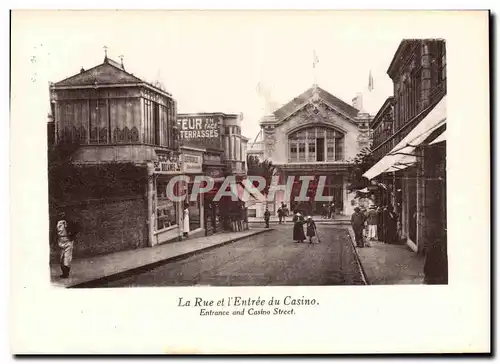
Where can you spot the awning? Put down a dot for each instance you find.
(401, 156)
(440, 138)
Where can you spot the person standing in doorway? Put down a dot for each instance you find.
(390, 226)
(66, 233)
(372, 223)
(267, 216)
(380, 224)
(358, 224)
(185, 221)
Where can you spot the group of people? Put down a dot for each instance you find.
(328, 211)
(376, 223)
(282, 213)
(298, 228)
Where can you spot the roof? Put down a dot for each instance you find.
(107, 73)
(400, 55)
(291, 106)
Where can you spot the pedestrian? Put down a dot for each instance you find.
(372, 223)
(380, 224)
(285, 211)
(66, 233)
(298, 228)
(311, 229)
(358, 223)
(331, 214)
(280, 214)
(390, 226)
(267, 215)
(185, 221)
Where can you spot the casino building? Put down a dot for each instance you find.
(315, 134)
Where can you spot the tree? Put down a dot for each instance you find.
(359, 165)
(265, 169)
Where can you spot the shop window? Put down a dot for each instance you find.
(166, 211)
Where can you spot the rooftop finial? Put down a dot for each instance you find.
(105, 52)
(121, 59)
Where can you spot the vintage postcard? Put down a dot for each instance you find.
(238, 182)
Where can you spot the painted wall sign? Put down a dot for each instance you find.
(201, 131)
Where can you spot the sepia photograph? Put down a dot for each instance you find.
(147, 190)
(210, 150)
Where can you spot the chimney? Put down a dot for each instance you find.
(82, 70)
(357, 102)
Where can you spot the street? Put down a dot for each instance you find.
(271, 258)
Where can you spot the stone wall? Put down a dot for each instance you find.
(107, 226)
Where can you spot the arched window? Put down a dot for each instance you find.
(316, 144)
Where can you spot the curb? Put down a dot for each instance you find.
(361, 269)
(95, 283)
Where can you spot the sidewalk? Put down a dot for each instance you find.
(338, 220)
(390, 264)
(91, 270)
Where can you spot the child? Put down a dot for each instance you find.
(311, 229)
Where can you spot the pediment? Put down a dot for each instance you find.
(317, 112)
(104, 74)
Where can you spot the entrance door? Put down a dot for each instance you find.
(320, 150)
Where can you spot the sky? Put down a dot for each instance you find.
(213, 61)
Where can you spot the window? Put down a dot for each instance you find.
(156, 123)
(314, 145)
(339, 149)
(166, 211)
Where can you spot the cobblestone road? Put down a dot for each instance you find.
(271, 258)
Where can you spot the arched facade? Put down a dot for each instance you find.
(315, 144)
(315, 135)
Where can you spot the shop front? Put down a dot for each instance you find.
(214, 169)
(164, 211)
(192, 166)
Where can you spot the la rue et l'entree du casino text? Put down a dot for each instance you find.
(240, 306)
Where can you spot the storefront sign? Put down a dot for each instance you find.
(192, 163)
(201, 131)
(167, 164)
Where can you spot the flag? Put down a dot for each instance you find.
(370, 81)
(315, 59)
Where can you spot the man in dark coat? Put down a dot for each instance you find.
(267, 216)
(390, 226)
(358, 223)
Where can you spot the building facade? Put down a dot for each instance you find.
(116, 119)
(218, 137)
(410, 144)
(316, 134)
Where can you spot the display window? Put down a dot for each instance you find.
(166, 209)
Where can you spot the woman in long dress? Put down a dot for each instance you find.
(298, 228)
(185, 221)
